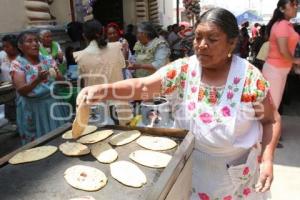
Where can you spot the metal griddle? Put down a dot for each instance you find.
(44, 179)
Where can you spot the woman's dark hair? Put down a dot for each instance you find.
(69, 56)
(278, 15)
(93, 30)
(22, 37)
(12, 39)
(223, 19)
(148, 28)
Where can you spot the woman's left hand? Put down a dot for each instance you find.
(133, 66)
(60, 57)
(265, 177)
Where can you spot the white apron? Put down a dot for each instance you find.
(221, 169)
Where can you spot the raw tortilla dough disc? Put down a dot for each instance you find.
(150, 158)
(89, 129)
(156, 143)
(81, 119)
(124, 137)
(33, 154)
(85, 178)
(104, 153)
(128, 174)
(95, 137)
(74, 149)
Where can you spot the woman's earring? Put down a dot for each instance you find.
(229, 55)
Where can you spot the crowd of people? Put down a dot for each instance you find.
(215, 92)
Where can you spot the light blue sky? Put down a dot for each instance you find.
(238, 6)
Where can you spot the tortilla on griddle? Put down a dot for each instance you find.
(74, 149)
(33, 154)
(95, 137)
(85, 178)
(104, 153)
(150, 158)
(128, 174)
(89, 129)
(124, 137)
(156, 143)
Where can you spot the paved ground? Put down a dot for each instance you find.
(286, 183)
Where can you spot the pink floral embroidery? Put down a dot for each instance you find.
(246, 191)
(225, 111)
(203, 196)
(229, 197)
(206, 118)
(246, 171)
(194, 89)
(192, 106)
(236, 80)
(194, 73)
(230, 94)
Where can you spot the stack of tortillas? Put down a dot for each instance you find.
(128, 174)
(85, 178)
(88, 129)
(95, 137)
(74, 149)
(104, 153)
(124, 137)
(151, 158)
(156, 143)
(33, 154)
(81, 119)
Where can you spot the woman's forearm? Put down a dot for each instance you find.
(126, 90)
(271, 134)
(132, 89)
(27, 88)
(148, 67)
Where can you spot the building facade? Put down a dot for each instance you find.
(18, 15)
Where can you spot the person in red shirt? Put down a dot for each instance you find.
(255, 30)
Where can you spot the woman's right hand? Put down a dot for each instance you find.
(42, 75)
(90, 95)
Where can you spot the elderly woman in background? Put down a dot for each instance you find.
(100, 63)
(151, 52)
(9, 53)
(282, 44)
(48, 47)
(38, 112)
(224, 101)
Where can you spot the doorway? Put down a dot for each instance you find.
(107, 11)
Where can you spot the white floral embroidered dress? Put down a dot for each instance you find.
(225, 164)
